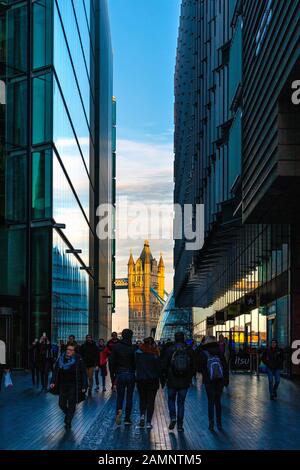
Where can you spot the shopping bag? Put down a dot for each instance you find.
(7, 380)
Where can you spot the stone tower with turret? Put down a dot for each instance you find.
(144, 308)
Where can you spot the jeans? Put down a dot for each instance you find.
(112, 375)
(147, 401)
(214, 393)
(103, 371)
(67, 401)
(273, 376)
(125, 383)
(181, 396)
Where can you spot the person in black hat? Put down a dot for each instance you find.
(122, 362)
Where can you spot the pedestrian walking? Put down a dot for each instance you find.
(178, 368)
(103, 353)
(3, 361)
(45, 360)
(122, 362)
(35, 362)
(147, 359)
(89, 354)
(110, 344)
(273, 359)
(224, 347)
(69, 381)
(215, 375)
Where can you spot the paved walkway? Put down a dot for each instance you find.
(30, 419)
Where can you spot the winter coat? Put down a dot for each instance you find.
(104, 352)
(201, 362)
(81, 381)
(148, 367)
(273, 358)
(168, 376)
(89, 353)
(122, 358)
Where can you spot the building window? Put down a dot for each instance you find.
(41, 184)
(42, 109)
(42, 33)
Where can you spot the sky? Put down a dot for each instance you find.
(144, 38)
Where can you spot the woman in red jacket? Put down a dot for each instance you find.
(102, 364)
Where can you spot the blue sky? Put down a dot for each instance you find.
(144, 35)
(144, 38)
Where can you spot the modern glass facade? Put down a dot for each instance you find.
(173, 320)
(55, 169)
(235, 152)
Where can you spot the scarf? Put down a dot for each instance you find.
(65, 362)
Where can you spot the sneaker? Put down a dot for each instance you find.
(119, 417)
(97, 389)
(127, 422)
(142, 421)
(104, 389)
(149, 426)
(211, 426)
(272, 397)
(180, 428)
(172, 425)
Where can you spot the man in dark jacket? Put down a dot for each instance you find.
(122, 361)
(69, 380)
(178, 368)
(34, 360)
(89, 353)
(215, 374)
(110, 344)
(273, 359)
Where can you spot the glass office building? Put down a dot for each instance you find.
(55, 169)
(173, 320)
(236, 152)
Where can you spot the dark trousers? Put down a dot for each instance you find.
(44, 370)
(103, 371)
(125, 383)
(214, 393)
(112, 375)
(147, 401)
(67, 401)
(274, 380)
(35, 374)
(180, 394)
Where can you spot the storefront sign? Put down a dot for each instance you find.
(241, 361)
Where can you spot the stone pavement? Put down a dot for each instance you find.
(30, 419)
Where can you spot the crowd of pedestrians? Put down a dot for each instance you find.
(173, 365)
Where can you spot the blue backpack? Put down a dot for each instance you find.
(214, 367)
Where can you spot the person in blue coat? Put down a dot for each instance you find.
(147, 378)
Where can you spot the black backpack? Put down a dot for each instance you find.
(181, 362)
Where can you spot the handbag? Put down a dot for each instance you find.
(7, 380)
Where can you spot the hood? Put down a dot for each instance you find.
(146, 348)
(212, 348)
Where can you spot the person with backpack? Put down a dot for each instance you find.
(147, 359)
(273, 359)
(178, 368)
(213, 366)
